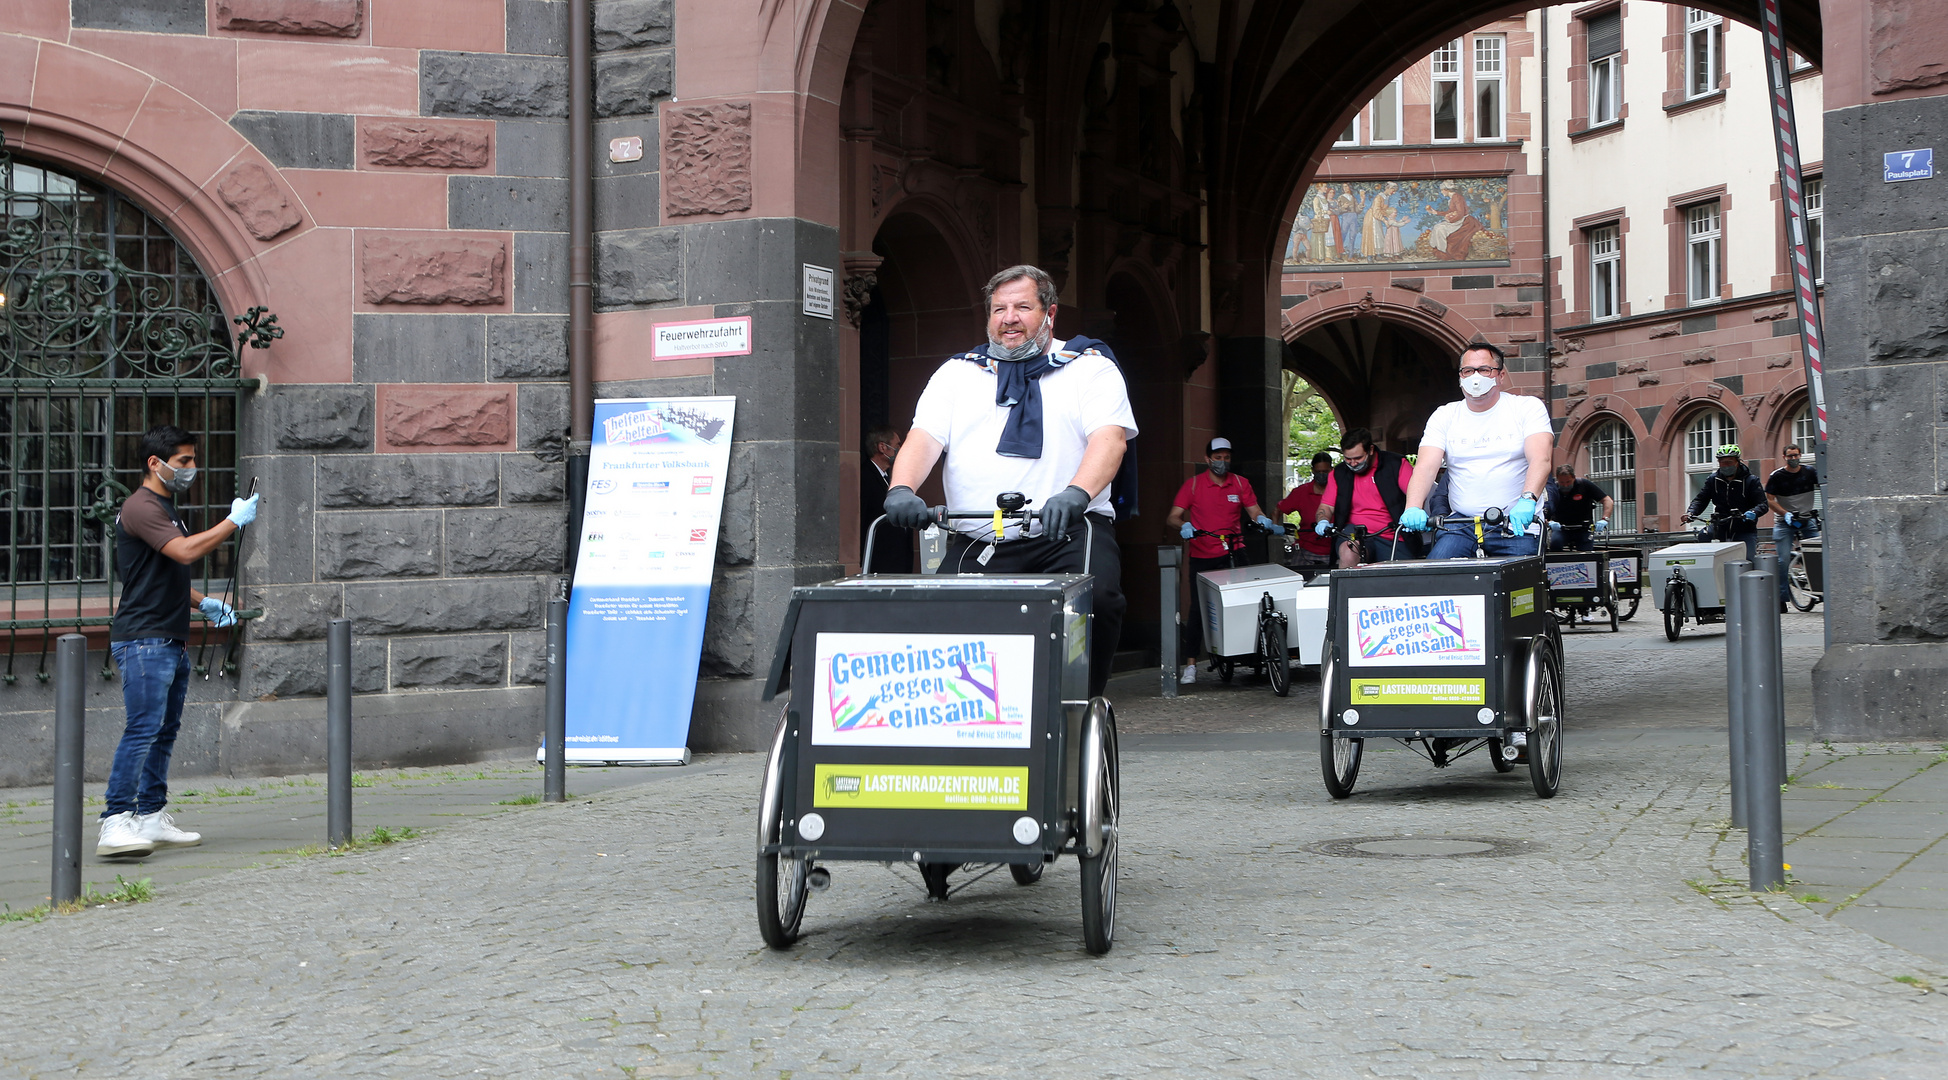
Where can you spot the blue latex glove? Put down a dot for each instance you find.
(218, 612)
(1522, 515)
(905, 509)
(1271, 526)
(243, 511)
(1322, 528)
(1751, 515)
(1187, 531)
(1414, 519)
(1790, 519)
(1602, 524)
(1062, 512)
(1555, 526)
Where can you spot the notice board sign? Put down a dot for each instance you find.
(644, 558)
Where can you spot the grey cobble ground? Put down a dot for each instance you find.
(614, 935)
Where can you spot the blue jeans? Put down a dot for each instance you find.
(1456, 542)
(1782, 535)
(155, 680)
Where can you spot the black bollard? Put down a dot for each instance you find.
(1765, 727)
(554, 780)
(338, 722)
(1735, 689)
(70, 715)
(1169, 558)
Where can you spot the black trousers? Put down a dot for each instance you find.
(1038, 555)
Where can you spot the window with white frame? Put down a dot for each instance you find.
(1491, 64)
(1805, 435)
(1704, 47)
(1815, 203)
(1446, 100)
(1605, 40)
(1704, 252)
(1712, 429)
(1351, 136)
(1613, 467)
(1606, 272)
(1386, 114)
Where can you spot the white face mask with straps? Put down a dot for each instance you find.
(1477, 385)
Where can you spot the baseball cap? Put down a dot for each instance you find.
(1219, 443)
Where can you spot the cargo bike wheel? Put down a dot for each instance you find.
(1673, 610)
(782, 882)
(1273, 654)
(1543, 697)
(1798, 584)
(1098, 845)
(1339, 759)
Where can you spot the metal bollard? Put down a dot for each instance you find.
(338, 723)
(1736, 691)
(70, 716)
(1169, 558)
(1765, 728)
(554, 779)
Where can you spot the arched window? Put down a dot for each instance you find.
(1613, 467)
(1805, 432)
(107, 328)
(1710, 430)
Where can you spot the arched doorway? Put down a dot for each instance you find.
(1380, 373)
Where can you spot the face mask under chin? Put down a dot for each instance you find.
(1036, 345)
(1361, 465)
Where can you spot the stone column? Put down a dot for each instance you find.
(1885, 675)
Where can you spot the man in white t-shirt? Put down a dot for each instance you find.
(1496, 446)
(1030, 414)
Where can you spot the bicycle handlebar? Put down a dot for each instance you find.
(941, 515)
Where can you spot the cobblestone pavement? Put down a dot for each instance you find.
(614, 936)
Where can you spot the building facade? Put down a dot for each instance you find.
(1640, 234)
(465, 237)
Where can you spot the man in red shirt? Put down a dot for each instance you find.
(1368, 489)
(1304, 501)
(1216, 501)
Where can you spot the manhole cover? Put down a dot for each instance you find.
(1423, 847)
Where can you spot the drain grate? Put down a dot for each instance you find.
(1423, 847)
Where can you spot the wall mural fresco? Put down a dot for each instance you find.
(1394, 222)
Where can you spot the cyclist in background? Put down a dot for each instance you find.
(1572, 510)
(1368, 489)
(1736, 499)
(1791, 492)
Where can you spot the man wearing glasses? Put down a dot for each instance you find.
(1496, 446)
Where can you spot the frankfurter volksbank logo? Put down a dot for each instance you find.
(923, 690)
(1416, 631)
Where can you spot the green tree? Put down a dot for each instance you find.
(1310, 425)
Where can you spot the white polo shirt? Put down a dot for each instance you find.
(1485, 458)
(958, 410)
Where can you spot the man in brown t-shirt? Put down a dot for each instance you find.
(154, 551)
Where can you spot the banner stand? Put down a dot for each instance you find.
(644, 560)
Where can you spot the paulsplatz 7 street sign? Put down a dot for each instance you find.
(1908, 165)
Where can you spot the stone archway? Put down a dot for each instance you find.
(1384, 370)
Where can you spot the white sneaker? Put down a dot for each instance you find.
(159, 829)
(1189, 676)
(1518, 739)
(122, 837)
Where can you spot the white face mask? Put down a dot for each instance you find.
(1477, 385)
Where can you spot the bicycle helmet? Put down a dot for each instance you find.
(1730, 449)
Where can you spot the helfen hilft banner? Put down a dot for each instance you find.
(923, 690)
(642, 576)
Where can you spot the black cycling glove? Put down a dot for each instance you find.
(1063, 511)
(905, 509)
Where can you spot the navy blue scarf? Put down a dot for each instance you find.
(1018, 384)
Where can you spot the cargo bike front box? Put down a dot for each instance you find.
(1447, 657)
(1693, 580)
(1626, 575)
(1582, 583)
(935, 721)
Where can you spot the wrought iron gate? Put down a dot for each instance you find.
(107, 328)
